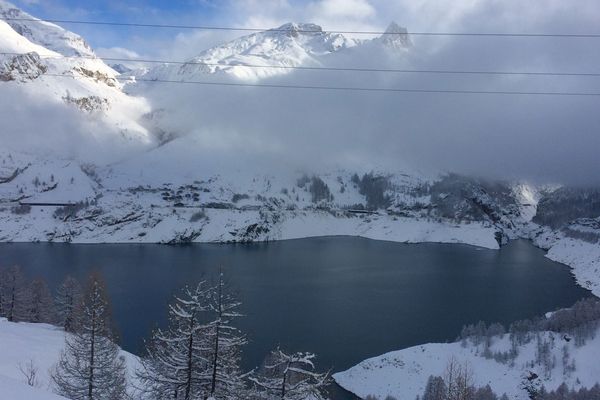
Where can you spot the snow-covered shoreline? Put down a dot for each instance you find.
(404, 373)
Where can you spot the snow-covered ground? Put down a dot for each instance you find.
(582, 256)
(403, 374)
(40, 344)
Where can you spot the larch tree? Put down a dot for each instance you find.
(68, 299)
(176, 365)
(197, 356)
(41, 305)
(90, 367)
(435, 389)
(3, 278)
(290, 377)
(15, 295)
(225, 343)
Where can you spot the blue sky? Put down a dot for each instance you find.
(143, 11)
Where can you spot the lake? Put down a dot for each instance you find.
(345, 299)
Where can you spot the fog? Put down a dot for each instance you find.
(42, 126)
(541, 138)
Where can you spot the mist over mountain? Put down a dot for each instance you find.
(539, 138)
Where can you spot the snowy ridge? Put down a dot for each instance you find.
(404, 373)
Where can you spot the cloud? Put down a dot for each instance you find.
(40, 125)
(353, 9)
(544, 138)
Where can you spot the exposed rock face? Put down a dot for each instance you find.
(22, 68)
(88, 104)
(396, 37)
(564, 205)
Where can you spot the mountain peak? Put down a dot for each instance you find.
(294, 29)
(396, 36)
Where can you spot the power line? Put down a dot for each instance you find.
(307, 68)
(353, 89)
(228, 28)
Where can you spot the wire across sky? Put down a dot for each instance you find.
(331, 68)
(354, 32)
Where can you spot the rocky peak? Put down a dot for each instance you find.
(396, 37)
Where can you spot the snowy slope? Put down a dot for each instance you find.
(290, 45)
(45, 34)
(46, 95)
(404, 373)
(21, 343)
(18, 390)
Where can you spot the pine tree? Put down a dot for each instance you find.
(291, 377)
(176, 365)
(41, 307)
(226, 342)
(90, 367)
(15, 295)
(68, 299)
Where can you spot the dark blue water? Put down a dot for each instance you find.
(345, 299)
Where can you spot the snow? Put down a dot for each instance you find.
(583, 257)
(66, 97)
(404, 373)
(45, 34)
(21, 343)
(16, 390)
(12, 42)
(290, 45)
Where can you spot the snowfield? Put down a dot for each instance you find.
(22, 343)
(403, 374)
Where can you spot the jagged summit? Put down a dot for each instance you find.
(396, 36)
(293, 29)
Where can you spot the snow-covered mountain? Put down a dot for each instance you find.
(290, 45)
(55, 71)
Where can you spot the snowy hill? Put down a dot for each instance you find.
(40, 344)
(562, 348)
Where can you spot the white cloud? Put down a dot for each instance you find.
(336, 9)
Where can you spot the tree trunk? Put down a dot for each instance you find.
(188, 386)
(93, 346)
(217, 327)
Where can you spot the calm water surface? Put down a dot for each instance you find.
(345, 299)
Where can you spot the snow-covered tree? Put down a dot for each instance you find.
(176, 365)
(198, 355)
(290, 377)
(68, 299)
(90, 367)
(225, 342)
(15, 295)
(459, 380)
(41, 305)
(435, 389)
